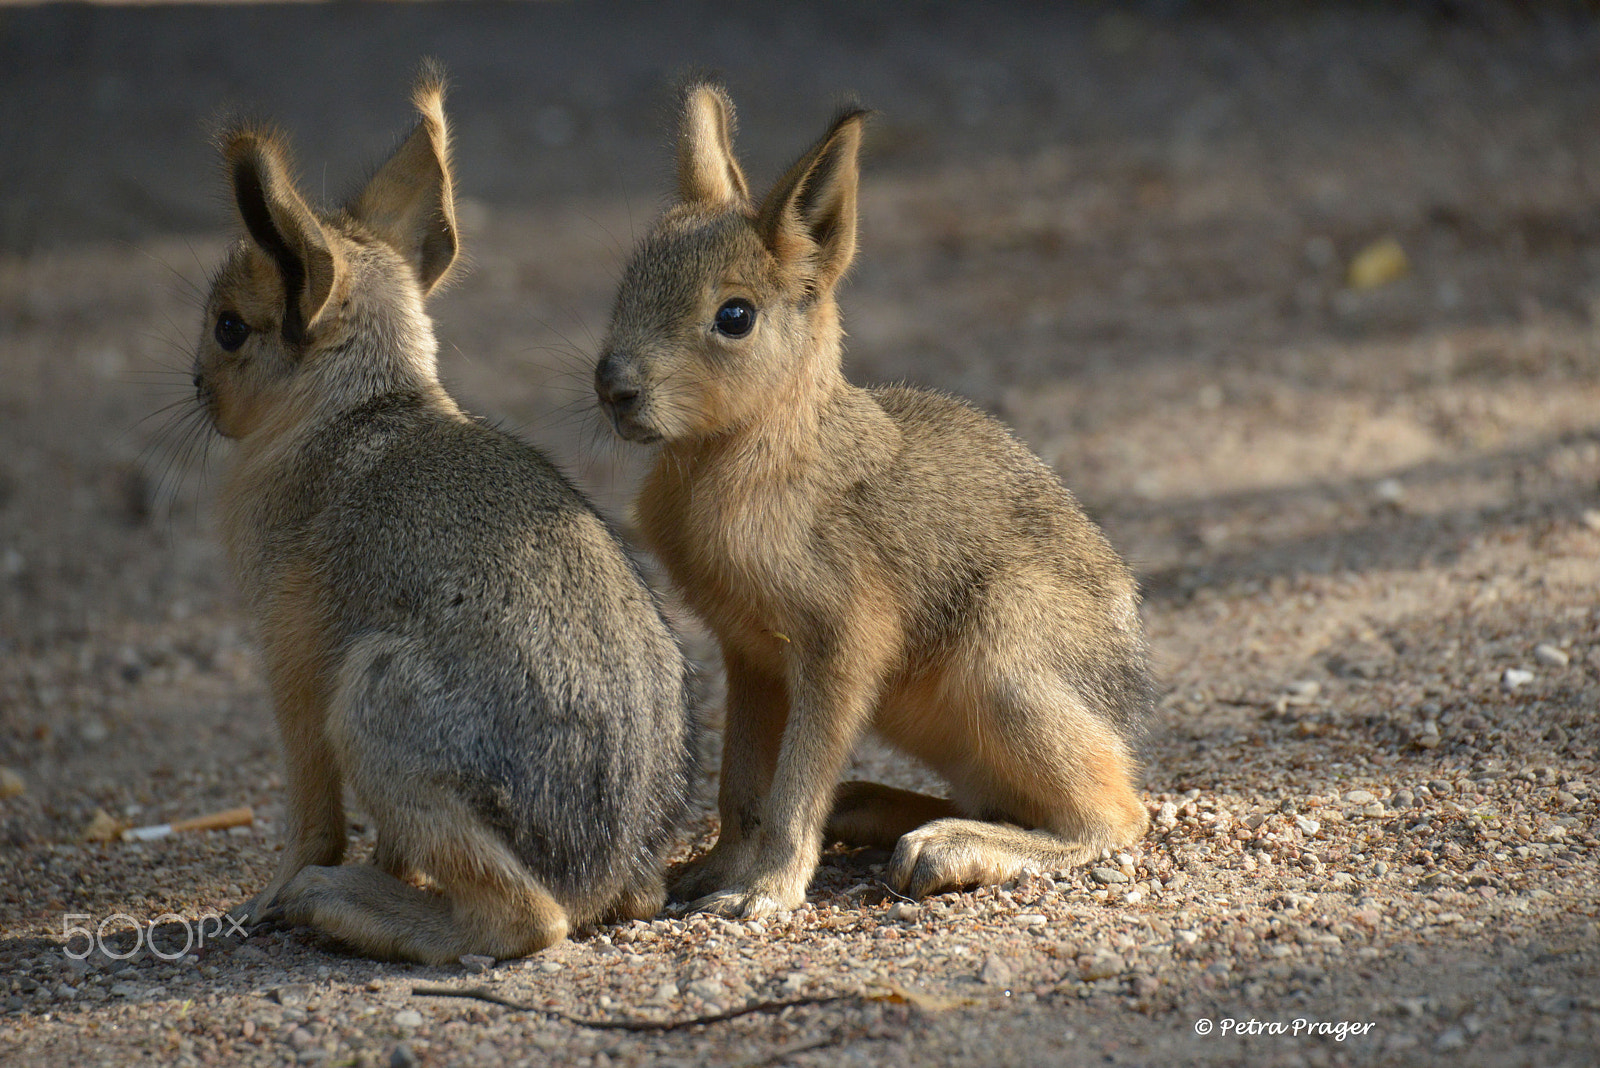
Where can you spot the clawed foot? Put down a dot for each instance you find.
(737, 904)
(717, 869)
(311, 887)
(261, 909)
(948, 855)
(725, 883)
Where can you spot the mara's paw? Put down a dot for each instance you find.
(722, 867)
(735, 903)
(637, 903)
(311, 889)
(949, 855)
(263, 908)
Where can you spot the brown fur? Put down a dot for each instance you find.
(448, 628)
(868, 558)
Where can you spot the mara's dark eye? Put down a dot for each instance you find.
(231, 331)
(735, 318)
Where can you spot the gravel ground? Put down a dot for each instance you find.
(1366, 518)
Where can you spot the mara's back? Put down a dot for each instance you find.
(523, 604)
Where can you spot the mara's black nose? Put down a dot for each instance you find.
(615, 386)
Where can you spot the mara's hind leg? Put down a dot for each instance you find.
(871, 814)
(487, 904)
(490, 906)
(1051, 783)
(953, 853)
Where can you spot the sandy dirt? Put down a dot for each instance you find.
(1366, 518)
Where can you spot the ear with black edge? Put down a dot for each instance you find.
(281, 224)
(410, 202)
(809, 217)
(708, 174)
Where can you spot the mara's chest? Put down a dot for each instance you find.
(742, 555)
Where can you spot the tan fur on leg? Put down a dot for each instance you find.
(380, 916)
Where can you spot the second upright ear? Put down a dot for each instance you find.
(810, 216)
(410, 201)
(708, 175)
(279, 222)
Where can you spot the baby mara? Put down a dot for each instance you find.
(886, 558)
(448, 627)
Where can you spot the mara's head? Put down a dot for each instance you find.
(727, 309)
(312, 308)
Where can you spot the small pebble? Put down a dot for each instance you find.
(475, 964)
(292, 995)
(995, 971)
(1389, 491)
(1167, 815)
(403, 1057)
(1515, 677)
(1550, 655)
(1307, 825)
(1359, 797)
(1101, 965)
(904, 912)
(707, 989)
(410, 1019)
(1302, 692)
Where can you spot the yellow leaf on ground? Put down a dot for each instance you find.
(1378, 264)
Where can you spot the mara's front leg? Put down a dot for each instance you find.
(752, 732)
(315, 831)
(781, 835)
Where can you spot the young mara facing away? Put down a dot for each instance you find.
(448, 626)
(883, 558)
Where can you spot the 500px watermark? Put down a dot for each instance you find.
(110, 935)
(1299, 1027)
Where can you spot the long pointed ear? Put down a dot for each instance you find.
(708, 175)
(810, 216)
(410, 203)
(280, 223)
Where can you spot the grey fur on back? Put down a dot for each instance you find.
(576, 746)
